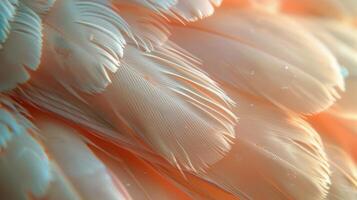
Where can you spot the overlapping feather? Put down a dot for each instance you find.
(21, 26)
(164, 98)
(341, 39)
(45, 160)
(251, 52)
(157, 102)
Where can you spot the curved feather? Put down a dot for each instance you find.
(344, 174)
(84, 40)
(196, 9)
(162, 96)
(275, 155)
(188, 10)
(78, 173)
(249, 50)
(8, 11)
(47, 161)
(141, 180)
(148, 28)
(173, 106)
(24, 166)
(341, 39)
(21, 50)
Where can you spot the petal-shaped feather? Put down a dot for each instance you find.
(84, 40)
(25, 169)
(275, 155)
(282, 157)
(260, 54)
(7, 13)
(171, 104)
(22, 48)
(341, 39)
(196, 9)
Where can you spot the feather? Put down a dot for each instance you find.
(251, 53)
(341, 39)
(24, 166)
(39, 6)
(275, 155)
(8, 11)
(188, 10)
(156, 5)
(165, 84)
(164, 98)
(45, 160)
(279, 156)
(196, 9)
(149, 29)
(84, 40)
(58, 100)
(76, 166)
(344, 174)
(141, 180)
(24, 38)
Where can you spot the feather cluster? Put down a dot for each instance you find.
(178, 99)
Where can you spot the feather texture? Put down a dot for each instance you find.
(241, 55)
(15, 60)
(344, 174)
(149, 29)
(341, 39)
(156, 5)
(84, 41)
(146, 119)
(331, 8)
(171, 105)
(194, 10)
(46, 161)
(24, 166)
(280, 156)
(39, 6)
(69, 154)
(169, 102)
(141, 180)
(275, 155)
(8, 11)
